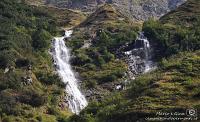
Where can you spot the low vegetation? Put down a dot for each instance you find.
(95, 48)
(173, 87)
(29, 90)
(170, 39)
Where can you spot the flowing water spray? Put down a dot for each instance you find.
(139, 57)
(75, 100)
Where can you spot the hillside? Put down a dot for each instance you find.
(145, 9)
(94, 57)
(172, 88)
(177, 31)
(135, 9)
(29, 88)
(105, 14)
(65, 18)
(187, 14)
(95, 43)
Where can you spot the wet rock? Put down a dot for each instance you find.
(29, 67)
(138, 57)
(26, 80)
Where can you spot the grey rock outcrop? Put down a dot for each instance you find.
(135, 9)
(138, 56)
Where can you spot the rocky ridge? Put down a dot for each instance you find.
(135, 9)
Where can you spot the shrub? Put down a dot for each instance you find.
(90, 66)
(108, 78)
(41, 39)
(169, 40)
(10, 80)
(108, 56)
(100, 61)
(3, 61)
(91, 83)
(22, 62)
(81, 59)
(39, 118)
(62, 119)
(76, 43)
(53, 111)
(8, 103)
(6, 119)
(33, 99)
(49, 79)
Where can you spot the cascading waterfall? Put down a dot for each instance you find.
(139, 57)
(75, 100)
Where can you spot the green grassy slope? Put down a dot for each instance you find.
(94, 45)
(65, 18)
(173, 87)
(187, 14)
(25, 34)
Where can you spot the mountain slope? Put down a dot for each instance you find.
(65, 18)
(135, 9)
(172, 88)
(145, 9)
(29, 88)
(104, 14)
(95, 43)
(187, 14)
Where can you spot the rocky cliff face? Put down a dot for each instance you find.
(142, 10)
(136, 9)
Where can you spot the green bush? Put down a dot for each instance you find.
(49, 79)
(4, 61)
(112, 41)
(100, 61)
(10, 80)
(81, 59)
(22, 62)
(8, 103)
(90, 66)
(41, 39)
(53, 110)
(7, 58)
(33, 99)
(91, 84)
(62, 119)
(168, 40)
(39, 118)
(6, 119)
(24, 28)
(76, 43)
(108, 78)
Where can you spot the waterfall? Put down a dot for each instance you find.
(139, 56)
(75, 100)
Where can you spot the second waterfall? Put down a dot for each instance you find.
(75, 100)
(139, 56)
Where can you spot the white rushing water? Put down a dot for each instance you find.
(75, 100)
(149, 65)
(139, 57)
